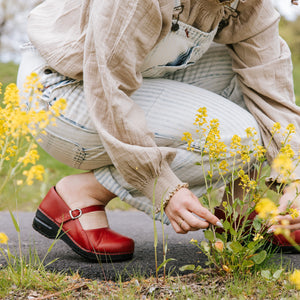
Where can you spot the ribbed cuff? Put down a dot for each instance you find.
(162, 186)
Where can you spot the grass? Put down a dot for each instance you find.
(206, 284)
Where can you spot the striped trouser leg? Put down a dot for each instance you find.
(170, 104)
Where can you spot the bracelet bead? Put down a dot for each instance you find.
(172, 193)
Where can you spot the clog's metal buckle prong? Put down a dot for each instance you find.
(75, 217)
(177, 11)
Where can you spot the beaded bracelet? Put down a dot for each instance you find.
(172, 193)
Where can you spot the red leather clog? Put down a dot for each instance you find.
(283, 245)
(101, 244)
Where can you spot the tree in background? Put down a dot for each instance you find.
(13, 14)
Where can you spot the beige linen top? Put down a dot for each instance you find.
(105, 42)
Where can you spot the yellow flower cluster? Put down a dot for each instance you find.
(295, 278)
(35, 172)
(294, 213)
(276, 128)
(246, 183)
(3, 238)
(266, 208)
(18, 123)
(213, 145)
(201, 117)
(283, 165)
(31, 156)
(187, 136)
(258, 237)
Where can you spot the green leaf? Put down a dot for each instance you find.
(204, 246)
(226, 225)
(259, 257)
(15, 222)
(235, 215)
(199, 268)
(164, 263)
(251, 245)
(208, 191)
(232, 231)
(248, 263)
(236, 247)
(209, 235)
(257, 224)
(277, 274)
(187, 268)
(229, 209)
(266, 274)
(221, 237)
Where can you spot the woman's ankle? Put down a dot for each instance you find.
(83, 190)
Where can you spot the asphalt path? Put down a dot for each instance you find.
(134, 224)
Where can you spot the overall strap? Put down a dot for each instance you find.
(177, 10)
(234, 4)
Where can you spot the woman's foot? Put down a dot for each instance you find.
(75, 212)
(83, 190)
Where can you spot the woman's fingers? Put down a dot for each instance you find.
(183, 209)
(193, 221)
(283, 202)
(204, 213)
(291, 227)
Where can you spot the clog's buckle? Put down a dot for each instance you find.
(75, 217)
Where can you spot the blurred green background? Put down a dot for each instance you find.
(30, 196)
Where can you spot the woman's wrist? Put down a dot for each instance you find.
(173, 192)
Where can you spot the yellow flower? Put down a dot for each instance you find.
(59, 106)
(213, 145)
(3, 238)
(250, 131)
(258, 237)
(223, 167)
(259, 151)
(187, 136)
(294, 213)
(287, 149)
(283, 165)
(19, 182)
(276, 128)
(32, 84)
(201, 116)
(266, 208)
(295, 278)
(35, 172)
(291, 128)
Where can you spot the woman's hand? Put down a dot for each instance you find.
(289, 199)
(183, 209)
